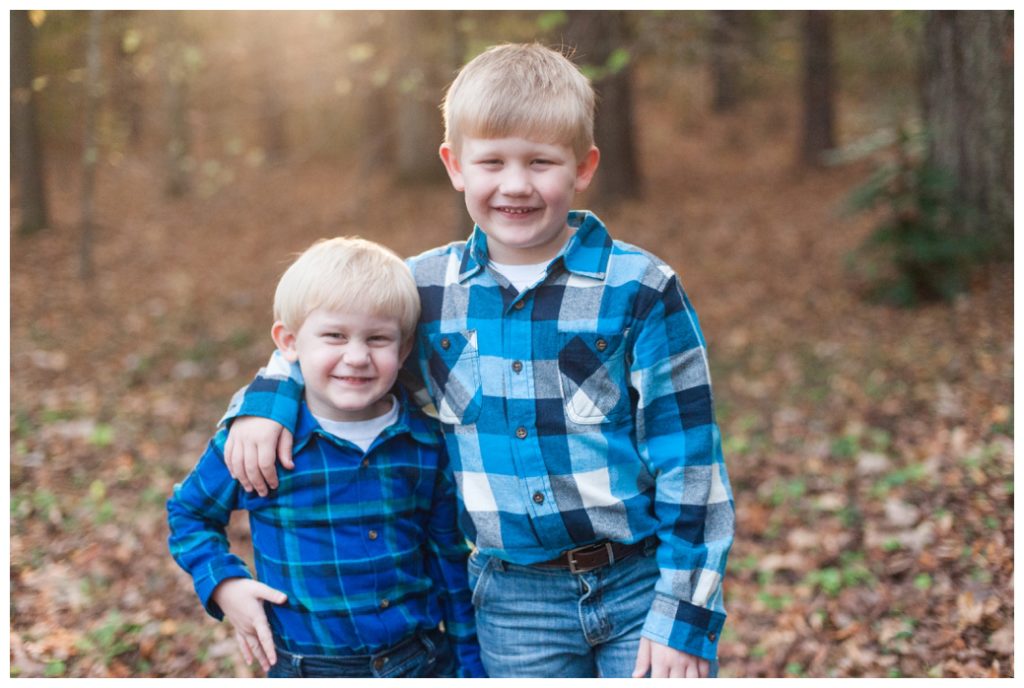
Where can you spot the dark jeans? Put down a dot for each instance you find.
(426, 654)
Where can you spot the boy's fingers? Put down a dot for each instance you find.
(229, 454)
(243, 647)
(284, 449)
(267, 461)
(271, 595)
(643, 659)
(241, 449)
(266, 640)
(252, 468)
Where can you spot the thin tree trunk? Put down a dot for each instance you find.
(726, 29)
(26, 152)
(177, 181)
(418, 125)
(90, 153)
(967, 94)
(818, 88)
(603, 39)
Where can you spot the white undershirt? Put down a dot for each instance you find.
(521, 276)
(361, 433)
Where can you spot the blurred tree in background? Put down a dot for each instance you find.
(26, 153)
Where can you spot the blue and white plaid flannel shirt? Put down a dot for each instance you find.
(366, 546)
(575, 411)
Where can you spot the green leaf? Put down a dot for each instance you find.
(618, 60)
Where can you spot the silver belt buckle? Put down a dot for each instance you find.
(571, 555)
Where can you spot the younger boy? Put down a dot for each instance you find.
(570, 376)
(358, 549)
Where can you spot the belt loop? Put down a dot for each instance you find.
(610, 551)
(297, 665)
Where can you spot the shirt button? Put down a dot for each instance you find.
(538, 497)
(601, 344)
(519, 305)
(379, 663)
(372, 535)
(517, 366)
(712, 637)
(366, 463)
(385, 603)
(521, 432)
(446, 343)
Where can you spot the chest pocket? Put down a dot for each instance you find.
(593, 376)
(454, 369)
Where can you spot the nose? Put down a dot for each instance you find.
(356, 353)
(515, 181)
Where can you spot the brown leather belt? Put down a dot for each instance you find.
(590, 557)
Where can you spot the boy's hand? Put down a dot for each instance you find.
(253, 447)
(668, 662)
(241, 600)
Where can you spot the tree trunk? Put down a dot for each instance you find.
(967, 93)
(175, 86)
(726, 54)
(423, 70)
(603, 43)
(90, 149)
(818, 133)
(26, 153)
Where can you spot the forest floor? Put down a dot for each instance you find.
(870, 448)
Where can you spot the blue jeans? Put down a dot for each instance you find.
(426, 654)
(550, 623)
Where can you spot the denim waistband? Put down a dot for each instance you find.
(378, 660)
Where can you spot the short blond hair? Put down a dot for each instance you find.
(519, 89)
(348, 274)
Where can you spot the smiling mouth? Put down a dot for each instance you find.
(352, 380)
(512, 210)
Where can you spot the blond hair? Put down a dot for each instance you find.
(525, 90)
(348, 274)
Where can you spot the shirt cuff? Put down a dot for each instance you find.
(273, 398)
(684, 626)
(214, 576)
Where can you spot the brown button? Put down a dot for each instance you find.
(521, 432)
(538, 497)
(446, 343)
(601, 344)
(372, 535)
(385, 603)
(711, 637)
(517, 366)
(366, 463)
(379, 663)
(519, 305)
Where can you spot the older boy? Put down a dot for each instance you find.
(570, 376)
(358, 550)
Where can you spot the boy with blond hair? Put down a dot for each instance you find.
(358, 550)
(570, 376)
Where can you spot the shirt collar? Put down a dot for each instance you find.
(410, 421)
(586, 253)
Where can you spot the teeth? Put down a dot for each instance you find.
(517, 211)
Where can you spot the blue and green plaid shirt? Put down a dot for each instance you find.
(366, 546)
(575, 411)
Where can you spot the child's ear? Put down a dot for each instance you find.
(452, 166)
(586, 168)
(285, 341)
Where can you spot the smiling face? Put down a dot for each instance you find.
(349, 361)
(520, 192)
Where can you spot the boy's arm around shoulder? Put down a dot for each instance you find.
(446, 556)
(679, 441)
(197, 515)
(274, 393)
